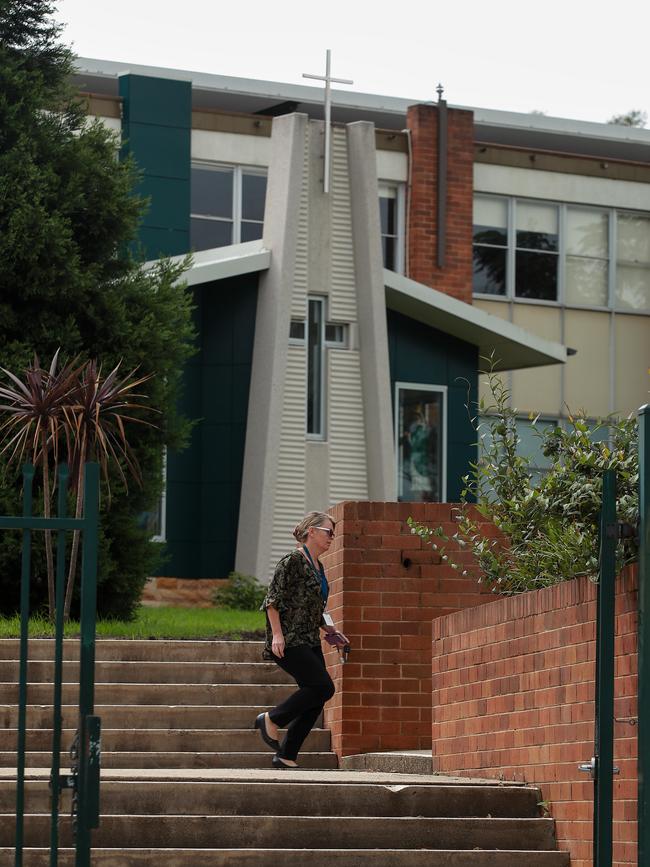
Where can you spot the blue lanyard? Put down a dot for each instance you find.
(324, 586)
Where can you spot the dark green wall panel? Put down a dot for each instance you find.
(160, 101)
(170, 202)
(168, 149)
(204, 481)
(156, 132)
(421, 354)
(157, 243)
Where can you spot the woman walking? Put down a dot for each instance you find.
(295, 605)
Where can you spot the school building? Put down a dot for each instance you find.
(344, 304)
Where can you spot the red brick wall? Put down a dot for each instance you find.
(456, 277)
(385, 605)
(513, 696)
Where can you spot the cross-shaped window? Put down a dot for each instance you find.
(318, 335)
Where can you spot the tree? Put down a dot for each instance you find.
(634, 117)
(67, 217)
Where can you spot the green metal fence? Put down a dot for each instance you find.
(84, 776)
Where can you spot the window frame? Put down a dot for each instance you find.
(238, 171)
(400, 220)
(162, 535)
(321, 435)
(422, 386)
(510, 295)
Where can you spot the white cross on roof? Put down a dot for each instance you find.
(327, 78)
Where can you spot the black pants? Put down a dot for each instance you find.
(301, 710)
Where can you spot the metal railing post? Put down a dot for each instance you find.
(605, 624)
(57, 722)
(644, 639)
(28, 478)
(88, 782)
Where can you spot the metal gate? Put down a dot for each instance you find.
(85, 752)
(601, 767)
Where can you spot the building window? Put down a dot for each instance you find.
(297, 331)
(154, 521)
(569, 254)
(391, 216)
(632, 262)
(536, 251)
(315, 367)
(336, 335)
(317, 335)
(227, 205)
(490, 248)
(420, 437)
(587, 257)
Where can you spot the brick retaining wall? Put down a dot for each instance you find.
(385, 590)
(513, 696)
(180, 592)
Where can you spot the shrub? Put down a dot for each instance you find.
(549, 525)
(242, 591)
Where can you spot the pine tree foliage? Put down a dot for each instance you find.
(67, 217)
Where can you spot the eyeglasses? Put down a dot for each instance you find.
(327, 530)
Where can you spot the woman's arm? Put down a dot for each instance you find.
(277, 646)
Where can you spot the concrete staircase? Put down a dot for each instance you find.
(163, 704)
(186, 781)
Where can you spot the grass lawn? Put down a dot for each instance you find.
(157, 623)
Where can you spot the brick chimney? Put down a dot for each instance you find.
(455, 276)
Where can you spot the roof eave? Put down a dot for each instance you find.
(222, 262)
(510, 347)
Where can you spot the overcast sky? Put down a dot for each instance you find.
(584, 59)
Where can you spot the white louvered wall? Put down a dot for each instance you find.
(345, 421)
(290, 484)
(346, 432)
(301, 279)
(348, 467)
(343, 302)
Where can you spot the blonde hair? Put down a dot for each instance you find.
(312, 519)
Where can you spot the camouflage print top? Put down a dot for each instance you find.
(295, 592)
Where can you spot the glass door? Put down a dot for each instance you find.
(420, 439)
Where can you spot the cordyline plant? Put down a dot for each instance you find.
(549, 523)
(74, 413)
(34, 427)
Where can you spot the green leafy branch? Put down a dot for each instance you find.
(547, 527)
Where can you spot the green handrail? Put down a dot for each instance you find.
(89, 737)
(605, 626)
(28, 478)
(644, 640)
(57, 722)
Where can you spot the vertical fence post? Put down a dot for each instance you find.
(55, 790)
(644, 639)
(28, 478)
(605, 623)
(88, 796)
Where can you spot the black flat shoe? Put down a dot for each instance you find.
(260, 723)
(277, 762)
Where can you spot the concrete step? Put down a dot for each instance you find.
(138, 650)
(42, 671)
(138, 716)
(264, 832)
(295, 858)
(181, 760)
(213, 694)
(161, 740)
(397, 762)
(289, 798)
